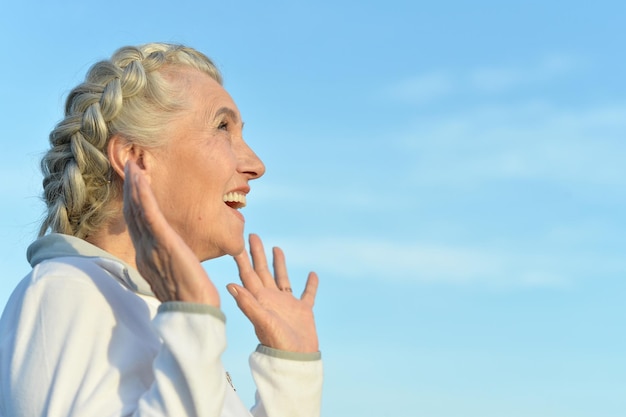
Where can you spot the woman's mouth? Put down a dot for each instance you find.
(235, 200)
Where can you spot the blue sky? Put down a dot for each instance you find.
(452, 170)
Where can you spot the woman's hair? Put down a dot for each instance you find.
(134, 94)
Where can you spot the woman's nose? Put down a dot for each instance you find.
(250, 163)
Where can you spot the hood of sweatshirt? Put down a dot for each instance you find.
(56, 245)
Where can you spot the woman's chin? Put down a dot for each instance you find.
(233, 249)
(237, 249)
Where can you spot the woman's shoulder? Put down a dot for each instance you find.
(66, 283)
(72, 275)
(72, 287)
(57, 254)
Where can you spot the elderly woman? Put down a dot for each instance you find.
(143, 181)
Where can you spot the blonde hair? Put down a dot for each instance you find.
(134, 95)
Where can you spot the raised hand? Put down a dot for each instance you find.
(162, 257)
(281, 320)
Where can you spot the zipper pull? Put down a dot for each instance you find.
(230, 381)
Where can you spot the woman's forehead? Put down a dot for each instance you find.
(208, 98)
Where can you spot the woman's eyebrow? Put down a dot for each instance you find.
(229, 112)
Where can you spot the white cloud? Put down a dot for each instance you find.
(577, 149)
(501, 79)
(423, 88)
(504, 266)
(329, 194)
(521, 141)
(488, 80)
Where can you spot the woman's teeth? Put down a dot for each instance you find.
(235, 200)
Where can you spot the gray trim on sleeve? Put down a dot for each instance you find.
(293, 356)
(194, 308)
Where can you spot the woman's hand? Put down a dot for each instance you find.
(280, 320)
(162, 257)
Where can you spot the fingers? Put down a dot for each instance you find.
(280, 278)
(246, 302)
(133, 209)
(310, 290)
(135, 198)
(247, 274)
(143, 202)
(129, 200)
(256, 274)
(142, 213)
(280, 269)
(259, 260)
(280, 320)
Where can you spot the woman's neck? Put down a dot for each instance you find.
(115, 239)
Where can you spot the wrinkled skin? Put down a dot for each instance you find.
(281, 320)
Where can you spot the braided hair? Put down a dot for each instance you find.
(132, 95)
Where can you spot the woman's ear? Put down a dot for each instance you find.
(120, 151)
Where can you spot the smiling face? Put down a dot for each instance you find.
(201, 174)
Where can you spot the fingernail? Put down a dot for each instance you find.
(232, 290)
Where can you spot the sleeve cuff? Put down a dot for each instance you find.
(193, 308)
(293, 356)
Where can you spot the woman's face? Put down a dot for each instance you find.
(200, 176)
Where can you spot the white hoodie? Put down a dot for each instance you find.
(83, 335)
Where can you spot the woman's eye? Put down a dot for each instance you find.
(223, 125)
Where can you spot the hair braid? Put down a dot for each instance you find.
(124, 95)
